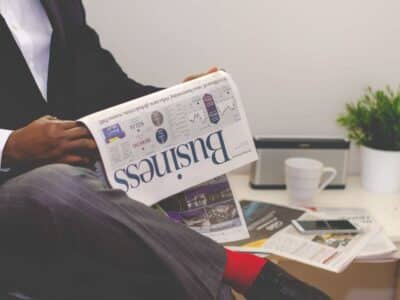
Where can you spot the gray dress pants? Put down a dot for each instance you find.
(65, 235)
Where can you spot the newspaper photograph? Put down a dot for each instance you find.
(263, 221)
(164, 143)
(210, 209)
(331, 252)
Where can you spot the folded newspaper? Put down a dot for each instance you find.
(164, 143)
(263, 220)
(209, 208)
(380, 247)
(331, 252)
(271, 232)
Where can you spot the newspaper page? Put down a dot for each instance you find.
(331, 252)
(263, 221)
(210, 209)
(379, 247)
(164, 143)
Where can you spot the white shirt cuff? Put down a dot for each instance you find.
(4, 135)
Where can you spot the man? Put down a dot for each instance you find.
(64, 234)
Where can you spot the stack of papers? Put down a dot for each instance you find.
(271, 232)
(379, 247)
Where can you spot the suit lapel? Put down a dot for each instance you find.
(55, 17)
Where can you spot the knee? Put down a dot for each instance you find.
(50, 173)
(49, 179)
(55, 170)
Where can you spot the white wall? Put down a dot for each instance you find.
(296, 61)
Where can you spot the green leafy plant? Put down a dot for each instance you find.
(374, 120)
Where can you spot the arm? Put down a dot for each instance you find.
(100, 81)
(48, 140)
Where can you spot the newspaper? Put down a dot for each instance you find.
(379, 247)
(164, 143)
(331, 252)
(263, 221)
(210, 209)
(271, 232)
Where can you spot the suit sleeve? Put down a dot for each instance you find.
(4, 135)
(100, 81)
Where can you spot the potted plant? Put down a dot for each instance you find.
(373, 122)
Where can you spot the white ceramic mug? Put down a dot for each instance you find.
(303, 178)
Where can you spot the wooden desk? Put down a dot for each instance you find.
(360, 280)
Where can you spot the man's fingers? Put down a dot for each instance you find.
(78, 133)
(75, 160)
(67, 124)
(213, 70)
(84, 144)
(192, 77)
(48, 117)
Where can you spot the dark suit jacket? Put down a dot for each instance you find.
(83, 77)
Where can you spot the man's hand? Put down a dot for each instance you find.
(191, 77)
(48, 140)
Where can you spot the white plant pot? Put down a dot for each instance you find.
(380, 170)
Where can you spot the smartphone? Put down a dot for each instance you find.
(325, 226)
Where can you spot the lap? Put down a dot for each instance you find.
(55, 232)
(48, 178)
(60, 223)
(33, 204)
(63, 204)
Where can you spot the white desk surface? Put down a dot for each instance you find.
(385, 208)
